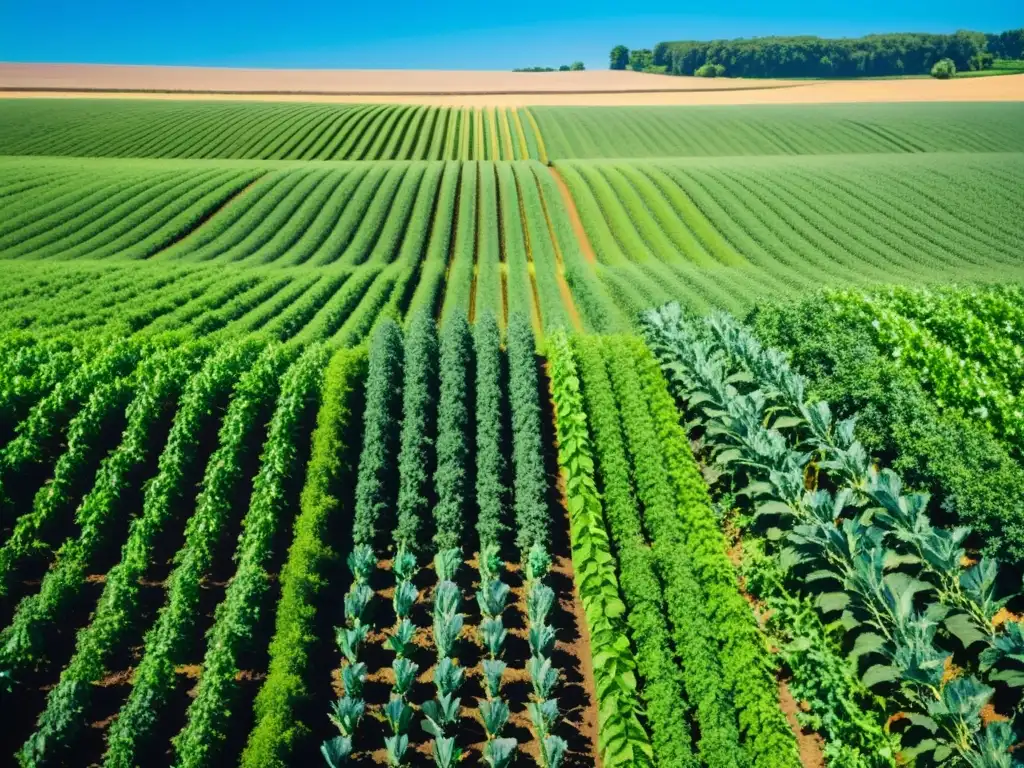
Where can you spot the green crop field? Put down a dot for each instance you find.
(405, 435)
(596, 132)
(264, 130)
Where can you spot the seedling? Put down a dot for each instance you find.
(336, 751)
(353, 676)
(493, 672)
(400, 641)
(405, 675)
(361, 563)
(495, 715)
(493, 634)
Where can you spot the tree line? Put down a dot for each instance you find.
(808, 56)
(576, 66)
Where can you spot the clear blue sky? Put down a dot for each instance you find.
(443, 34)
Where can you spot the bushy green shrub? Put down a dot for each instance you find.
(944, 69)
(710, 70)
(971, 476)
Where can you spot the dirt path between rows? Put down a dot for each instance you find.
(574, 217)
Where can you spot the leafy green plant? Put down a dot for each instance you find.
(543, 715)
(374, 486)
(859, 552)
(552, 751)
(404, 598)
(499, 753)
(539, 600)
(491, 597)
(451, 477)
(396, 745)
(439, 713)
(350, 640)
(336, 751)
(494, 713)
(622, 738)
(356, 602)
(419, 409)
(447, 676)
(446, 754)
(154, 681)
(494, 670)
(398, 715)
(668, 709)
(491, 493)
(274, 488)
(542, 639)
(405, 675)
(280, 719)
(543, 676)
(447, 563)
(347, 714)
(361, 563)
(353, 676)
(400, 640)
(492, 633)
(404, 566)
(530, 508)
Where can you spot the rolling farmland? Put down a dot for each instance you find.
(406, 435)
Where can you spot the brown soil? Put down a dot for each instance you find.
(811, 745)
(457, 88)
(579, 649)
(349, 82)
(563, 286)
(574, 217)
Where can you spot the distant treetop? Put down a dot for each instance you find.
(807, 56)
(576, 66)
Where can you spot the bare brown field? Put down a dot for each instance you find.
(346, 82)
(465, 88)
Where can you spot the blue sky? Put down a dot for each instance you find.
(443, 34)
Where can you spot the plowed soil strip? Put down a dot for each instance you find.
(538, 321)
(563, 286)
(574, 217)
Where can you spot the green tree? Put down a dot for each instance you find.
(981, 60)
(640, 59)
(619, 57)
(710, 70)
(576, 66)
(944, 69)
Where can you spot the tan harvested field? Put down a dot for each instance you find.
(465, 88)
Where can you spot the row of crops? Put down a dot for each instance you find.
(721, 234)
(893, 596)
(434, 546)
(164, 492)
(267, 131)
(610, 132)
(393, 463)
(307, 131)
(469, 237)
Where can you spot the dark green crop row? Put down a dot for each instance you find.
(266, 131)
